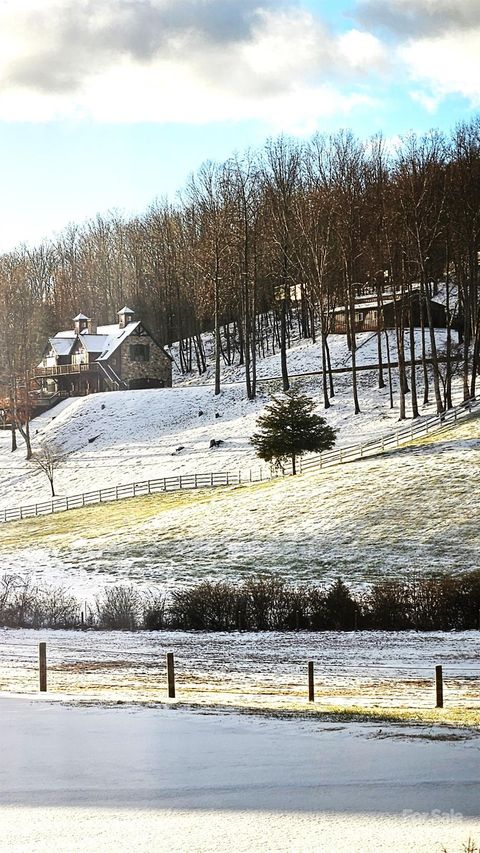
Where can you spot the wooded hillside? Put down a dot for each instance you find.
(304, 223)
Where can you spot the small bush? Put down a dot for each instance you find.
(119, 608)
(154, 618)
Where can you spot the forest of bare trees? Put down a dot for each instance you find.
(265, 240)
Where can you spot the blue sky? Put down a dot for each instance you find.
(108, 104)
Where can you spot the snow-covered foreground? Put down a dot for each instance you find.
(263, 670)
(124, 779)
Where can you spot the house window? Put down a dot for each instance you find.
(359, 316)
(139, 352)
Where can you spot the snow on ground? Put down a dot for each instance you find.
(305, 357)
(415, 510)
(376, 669)
(116, 438)
(123, 779)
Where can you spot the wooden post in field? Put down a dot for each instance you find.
(311, 685)
(439, 686)
(171, 675)
(42, 666)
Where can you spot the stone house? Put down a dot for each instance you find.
(87, 358)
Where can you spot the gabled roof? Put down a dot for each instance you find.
(106, 340)
(94, 343)
(63, 345)
(114, 340)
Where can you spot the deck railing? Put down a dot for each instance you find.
(65, 369)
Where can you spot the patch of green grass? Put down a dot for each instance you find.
(463, 718)
(107, 518)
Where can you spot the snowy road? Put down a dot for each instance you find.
(121, 779)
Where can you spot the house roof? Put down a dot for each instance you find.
(362, 306)
(114, 340)
(80, 317)
(106, 340)
(63, 345)
(126, 310)
(94, 343)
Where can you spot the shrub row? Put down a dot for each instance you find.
(260, 604)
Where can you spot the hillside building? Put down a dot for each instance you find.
(87, 358)
(372, 313)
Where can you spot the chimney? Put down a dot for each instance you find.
(125, 316)
(92, 327)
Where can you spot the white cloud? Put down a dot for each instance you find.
(361, 49)
(179, 61)
(428, 101)
(449, 64)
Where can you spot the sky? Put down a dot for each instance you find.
(108, 104)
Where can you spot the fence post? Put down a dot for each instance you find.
(42, 666)
(311, 684)
(439, 686)
(171, 675)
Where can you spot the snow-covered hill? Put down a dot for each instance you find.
(119, 437)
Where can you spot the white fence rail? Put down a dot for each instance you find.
(351, 453)
(135, 490)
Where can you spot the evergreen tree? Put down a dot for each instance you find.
(289, 428)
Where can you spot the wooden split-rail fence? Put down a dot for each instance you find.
(350, 453)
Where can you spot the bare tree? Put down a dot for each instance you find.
(281, 174)
(48, 460)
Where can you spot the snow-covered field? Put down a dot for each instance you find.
(414, 510)
(124, 779)
(264, 670)
(389, 515)
(116, 438)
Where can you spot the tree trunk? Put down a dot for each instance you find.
(326, 401)
(381, 381)
(413, 369)
(217, 334)
(283, 345)
(433, 345)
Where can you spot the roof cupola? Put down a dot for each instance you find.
(81, 322)
(125, 316)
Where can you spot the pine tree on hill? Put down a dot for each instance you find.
(289, 428)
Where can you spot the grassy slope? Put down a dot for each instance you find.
(416, 509)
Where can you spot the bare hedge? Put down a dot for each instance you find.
(267, 603)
